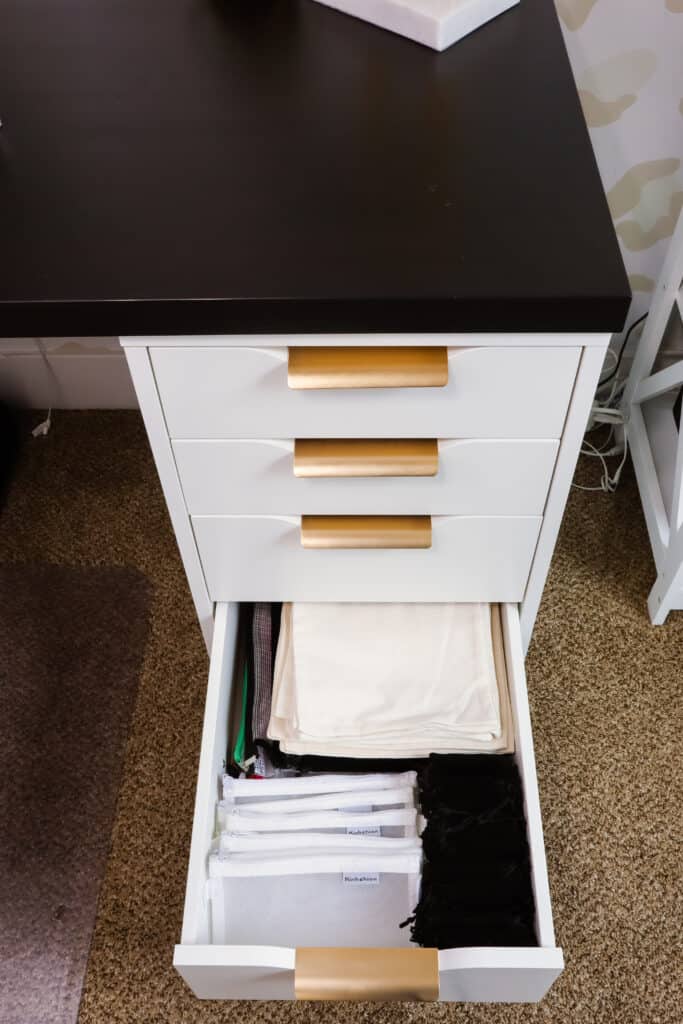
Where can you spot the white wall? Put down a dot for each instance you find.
(65, 373)
(627, 57)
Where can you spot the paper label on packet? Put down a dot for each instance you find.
(364, 830)
(360, 878)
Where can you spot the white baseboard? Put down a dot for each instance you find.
(83, 381)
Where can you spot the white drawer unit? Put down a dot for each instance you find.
(356, 475)
(471, 558)
(216, 969)
(222, 392)
(474, 477)
(506, 412)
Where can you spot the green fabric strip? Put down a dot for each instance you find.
(239, 751)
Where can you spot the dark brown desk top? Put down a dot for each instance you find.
(228, 166)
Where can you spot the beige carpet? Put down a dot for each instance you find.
(604, 688)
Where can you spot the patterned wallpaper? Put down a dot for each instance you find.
(627, 57)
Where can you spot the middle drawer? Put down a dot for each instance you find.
(476, 477)
(450, 558)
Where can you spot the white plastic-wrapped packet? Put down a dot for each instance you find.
(317, 898)
(349, 842)
(398, 822)
(362, 799)
(239, 790)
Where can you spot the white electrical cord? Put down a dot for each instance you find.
(604, 413)
(608, 483)
(43, 427)
(615, 357)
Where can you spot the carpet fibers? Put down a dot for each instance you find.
(605, 701)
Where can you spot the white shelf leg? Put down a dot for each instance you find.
(664, 596)
(664, 524)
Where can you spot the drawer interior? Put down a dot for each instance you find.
(221, 953)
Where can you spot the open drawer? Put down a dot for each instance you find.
(483, 974)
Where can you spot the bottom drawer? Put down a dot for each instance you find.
(471, 558)
(215, 970)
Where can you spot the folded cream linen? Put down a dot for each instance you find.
(389, 681)
(503, 745)
(393, 665)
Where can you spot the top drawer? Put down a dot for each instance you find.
(243, 392)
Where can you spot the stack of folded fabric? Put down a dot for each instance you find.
(476, 885)
(265, 630)
(390, 681)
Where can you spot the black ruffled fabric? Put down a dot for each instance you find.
(435, 929)
(350, 765)
(476, 882)
(496, 883)
(473, 840)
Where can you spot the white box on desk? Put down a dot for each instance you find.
(435, 23)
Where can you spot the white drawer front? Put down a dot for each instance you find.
(243, 392)
(475, 477)
(482, 974)
(260, 558)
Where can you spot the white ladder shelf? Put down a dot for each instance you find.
(652, 410)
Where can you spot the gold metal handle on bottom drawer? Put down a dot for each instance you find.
(366, 531)
(367, 974)
(372, 457)
(368, 367)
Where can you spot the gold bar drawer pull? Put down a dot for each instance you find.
(366, 531)
(368, 367)
(376, 975)
(323, 458)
